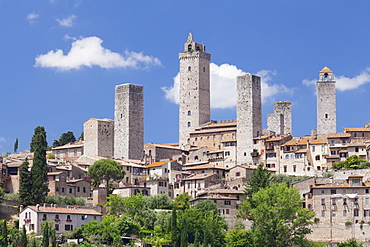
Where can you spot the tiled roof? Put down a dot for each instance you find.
(156, 164)
(357, 129)
(338, 135)
(356, 144)
(64, 210)
(199, 176)
(206, 166)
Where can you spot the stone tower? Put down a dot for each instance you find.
(99, 137)
(194, 89)
(249, 116)
(326, 103)
(129, 122)
(280, 121)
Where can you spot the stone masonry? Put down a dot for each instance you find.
(99, 137)
(326, 103)
(129, 122)
(194, 89)
(249, 116)
(280, 121)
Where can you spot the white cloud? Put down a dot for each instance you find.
(66, 22)
(223, 86)
(2, 139)
(346, 83)
(32, 17)
(89, 52)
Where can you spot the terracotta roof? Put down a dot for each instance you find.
(77, 144)
(156, 164)
(301, 151)
(313, 142)
(199, 176)
(64, 210)
(356, 129)
(326, 69)
(338, 135)
(356, 144)
(206, 166)
(355, 176)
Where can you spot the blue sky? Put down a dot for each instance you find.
(60, 60)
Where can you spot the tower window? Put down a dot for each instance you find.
(189, 113)
(189, 68)
(189, 47)
(204, 69)
(325, 76)
(189, 124)
(198, 49)
(326, 115)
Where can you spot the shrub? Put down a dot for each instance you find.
(348, 223)
(316, 220)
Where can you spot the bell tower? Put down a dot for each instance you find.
(326, 103)
(194, 89)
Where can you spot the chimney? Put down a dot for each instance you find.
(38, 207)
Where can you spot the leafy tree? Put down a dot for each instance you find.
(238, 237)
(25, 185)
(349, 243)
(2, 194)
(64, 139)
(3, 233)
(260, 178)
(106, 170)
(16, 146)
(182, 201)
(282, 178)
(206, 206)
(160, 201)
(352, 162)
(278, 216)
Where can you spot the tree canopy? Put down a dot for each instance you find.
(64, 139)
(352, 162)
(278, 216)
(106, 170)
(259, 179)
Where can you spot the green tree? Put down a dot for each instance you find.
(173, 229)
(238, 237)
(278, 216)
(16, 146)
(81, 138)
(3, 233)
(160, 201)
(349, 243)
(25, 185)
(23, 240)
(46, 232)
(259, 179)
(206, 206)
(39, 170)
(2, 194)
(182, 201)
(66, 138)
(106, 170)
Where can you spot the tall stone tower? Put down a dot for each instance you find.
(249, 116)
(280, 121)
(326, 103)
(194, 89)
(99, 136)
(129, 122)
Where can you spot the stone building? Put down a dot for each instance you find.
(69, 152)
(129, 122)
(249, 116)
(280, 122)
(194, 89)
(326, 103)
(99, 137)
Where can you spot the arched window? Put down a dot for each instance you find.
(68, 218)
(190, 47)
(44, 217)
(189, 68)
(325, 76)
(25, 216)
(196, 157)
(287, 156)
(189, 124)
(189, 113)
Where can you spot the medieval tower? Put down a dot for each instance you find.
(99, 137)
(129, 122)
(194, 89)
(326, 103)
(249, 116)
(280, 121)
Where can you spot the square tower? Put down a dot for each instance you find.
(249, 116)
(326, 103)
(281, 121)
(129, 122)
(194, 89)
(99, 137)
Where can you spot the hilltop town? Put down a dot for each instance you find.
(213, 159)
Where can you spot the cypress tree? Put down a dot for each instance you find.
(16, 146)
(174, 231)
(45, 234)
(53, 238)
(25, 185)
(39, 171)
(24, 237)
(3, 233)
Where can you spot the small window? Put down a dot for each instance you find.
(70, 190)
(56, 227)
(344, 213)
(322, 201)
(237, 174)
(367, 201)
(84, 189)
(356, 212)
(333, 192)
(326, 115)
(285, 168)
(189, 113)
(78, 188)
(189, 124)
(227, 202)
(63, 189)
(189, 68)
